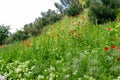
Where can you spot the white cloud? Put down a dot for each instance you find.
(19, 12)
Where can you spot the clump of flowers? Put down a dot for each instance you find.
(27, 43)
(115, 49)
(118, 48)
(118, 58)
(109, 29)
(106, 48)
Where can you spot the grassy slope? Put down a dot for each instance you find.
(65, 50)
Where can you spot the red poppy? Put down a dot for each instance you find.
(118, 48)
(118, 58)
(112, 46)
(106, 48)
(109, 29)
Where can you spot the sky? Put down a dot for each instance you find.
(17, 13)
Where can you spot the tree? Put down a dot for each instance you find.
(101, 11)
(50, 17)
(19, 35)
(62, 7)
(69, 7)
(4, 33)
(30, 30)
(74, 8)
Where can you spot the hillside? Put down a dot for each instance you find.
(71, 49)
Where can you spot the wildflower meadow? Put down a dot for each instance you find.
(70, 49)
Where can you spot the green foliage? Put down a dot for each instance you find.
(118, 14)
(74, 8)
(35, 28)
(4, 33)
(50, 17)
(87, 4)
(66, 51)
(38, 23)
(30, 30)
(62, 6)
(69, 7)
(19, 35)
(47, 18)
(101, 11)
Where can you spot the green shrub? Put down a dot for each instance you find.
(74, 8)
(50, 17)
(19, 35)
(62, 6)
(4, 33)
(101, 11)
(30, 30)
(69, 7)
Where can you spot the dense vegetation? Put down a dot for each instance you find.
(99, 11)
(4, 33)
(64, 47)
(103, 10)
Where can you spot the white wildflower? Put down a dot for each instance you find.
(118, 77)
(40, 77)
(51, 68)
(50, 78)
(23, 79)
(32, 67)
(74, 73)
(27, 62)
(52, 75)
(45, 70)
(58, 61)
(1, 61)
(28, 74)
(67, 76)
(16, 62)
(17, 70)
(79, 78)
(37, 48)
(2, 77)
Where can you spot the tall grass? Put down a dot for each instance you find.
(71, 49)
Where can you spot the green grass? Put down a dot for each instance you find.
(65, 50)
